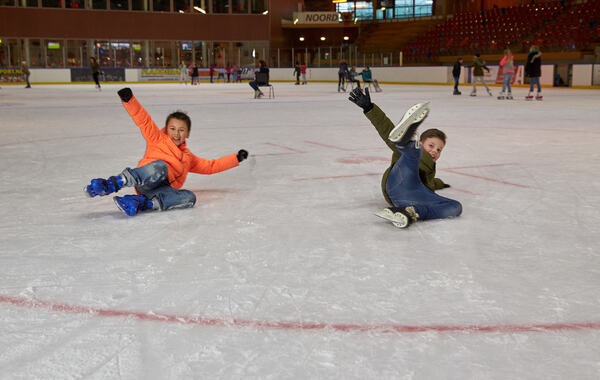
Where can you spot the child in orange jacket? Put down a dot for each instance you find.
(163, 169)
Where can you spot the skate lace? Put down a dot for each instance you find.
(412, 212)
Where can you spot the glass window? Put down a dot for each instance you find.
(98, 4)
(220, 6)
(104, 53)
(7, 3)
(75, 53)
(30, 3)
(139, 5)
(200, 6)
(52, 3)
(160, 53)
(259, 6)
(10, 52)
(137, 53)
(201, 53)
(239, 6)
(37, 55)
(121, 53)
(119, 5)
(181, 6)
(75, 4)
(185, 52)
(161, 5)
(54, 53)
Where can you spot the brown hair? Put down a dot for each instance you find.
(180, 115)
(433, 133)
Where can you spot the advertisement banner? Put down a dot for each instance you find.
(317, 17)
(107, 74)
(8, 75)
(161, 74)
(495, 75)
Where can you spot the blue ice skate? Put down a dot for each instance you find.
(132, 204)
(101, 186)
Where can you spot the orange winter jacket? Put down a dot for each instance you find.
(179, 159)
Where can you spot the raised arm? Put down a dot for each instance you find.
(140, 116)
(204, 166)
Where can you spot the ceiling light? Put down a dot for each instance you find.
(200, 10)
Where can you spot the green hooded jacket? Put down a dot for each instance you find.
(478, 65)
(426, 167)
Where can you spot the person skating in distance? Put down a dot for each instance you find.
(163, 170)
(409, 183)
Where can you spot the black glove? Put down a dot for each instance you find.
(446, 186)
(242, 155)
(361, 100)
(125, 94)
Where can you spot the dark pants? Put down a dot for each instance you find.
(404, 187)
(96, 75)
(341, 80)
(456, 79)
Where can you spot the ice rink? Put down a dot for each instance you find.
(282, 270)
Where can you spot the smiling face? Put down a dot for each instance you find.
(177, 130)
(433, 146)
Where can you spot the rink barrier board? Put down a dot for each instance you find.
(583, 75)
(293, 81)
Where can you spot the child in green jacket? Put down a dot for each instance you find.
(409, 183)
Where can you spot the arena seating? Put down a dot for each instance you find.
(573, 30)
(556, 25)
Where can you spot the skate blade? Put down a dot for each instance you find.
(398, 220)
(416, 113)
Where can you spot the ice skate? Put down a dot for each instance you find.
(132, 204)
(404, 131)
(539, 96)
(501, 96)
(101, 186)
(473, 94)
(456, 92)
(529, 96)
(509, 96)
(400, 217)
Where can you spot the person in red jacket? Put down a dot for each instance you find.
(162, 171)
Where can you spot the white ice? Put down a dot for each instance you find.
(281, 270)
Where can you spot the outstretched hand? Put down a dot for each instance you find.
(125, 94)
(242, 155)
(362, 100)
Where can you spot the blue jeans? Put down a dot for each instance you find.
(404, 187)
(534, 80)
(456, 83)
(151, 180)
(254, 85)
(506, 81)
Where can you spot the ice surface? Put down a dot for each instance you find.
(282, 270)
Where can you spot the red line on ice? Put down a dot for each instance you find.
(292, 325)
(286, 147)
(328, 146)
(335, 177)
(487, 179)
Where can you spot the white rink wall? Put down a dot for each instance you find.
(582, 74)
